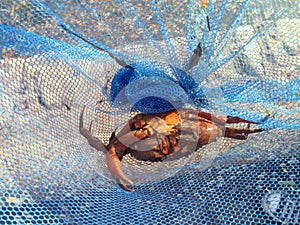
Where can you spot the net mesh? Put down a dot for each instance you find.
(59, 56)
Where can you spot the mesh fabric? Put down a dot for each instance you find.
(249, 67)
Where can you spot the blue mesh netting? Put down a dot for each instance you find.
(123, 57)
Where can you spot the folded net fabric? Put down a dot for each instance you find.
(119, 58)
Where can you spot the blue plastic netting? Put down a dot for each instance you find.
(119, 58)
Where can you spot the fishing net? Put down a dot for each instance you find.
(119, 58)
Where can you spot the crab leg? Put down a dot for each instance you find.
(240, 133)
(93, 141)
(115, 168)
(195, 115)
(235, 119)
(191, 114)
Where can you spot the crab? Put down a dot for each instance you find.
(154, 137)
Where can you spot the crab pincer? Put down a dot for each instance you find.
(112, 159)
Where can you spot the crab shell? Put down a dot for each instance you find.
(152, 137)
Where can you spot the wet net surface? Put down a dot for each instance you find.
(249, 68)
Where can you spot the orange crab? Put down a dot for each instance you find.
(152, 137)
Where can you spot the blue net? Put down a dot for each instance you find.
(120, 58)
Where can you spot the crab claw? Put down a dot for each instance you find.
(240, 133)
(112, 159)
(115, 168)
